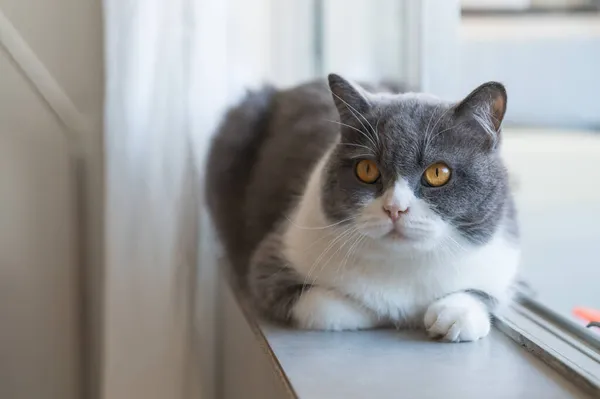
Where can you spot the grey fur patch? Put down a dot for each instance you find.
(274, 285)
(511, 225)
(232, 155)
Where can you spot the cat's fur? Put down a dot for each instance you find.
(314, 243)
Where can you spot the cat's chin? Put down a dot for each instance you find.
(397, 240)
(401, 235)
(406, 239)
(396, 236)
(403, 239)
(412, 246)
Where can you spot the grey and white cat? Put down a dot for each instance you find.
(347, 209)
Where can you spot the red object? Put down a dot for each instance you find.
(587, 314)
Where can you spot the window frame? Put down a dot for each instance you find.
(559, 343)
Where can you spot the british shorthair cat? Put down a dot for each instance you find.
(349, 207)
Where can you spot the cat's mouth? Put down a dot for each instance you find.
(403, 231)
(399, 235)
(408, 233)
(396, 235)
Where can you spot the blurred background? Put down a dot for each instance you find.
(108, 280)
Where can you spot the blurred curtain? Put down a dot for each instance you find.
(171, 69)
(148, 346)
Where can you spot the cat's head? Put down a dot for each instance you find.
(413, 170)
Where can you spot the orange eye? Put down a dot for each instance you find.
(367, 171)
(437, 174)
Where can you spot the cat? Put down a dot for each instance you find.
(347, 207)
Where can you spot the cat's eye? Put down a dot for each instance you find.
(367, 171)
(437, 174)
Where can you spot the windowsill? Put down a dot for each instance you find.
(573, 357)
(387, 363)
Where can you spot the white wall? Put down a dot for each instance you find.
(50, 193)
(40, 328)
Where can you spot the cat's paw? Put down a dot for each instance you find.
(322, 309)
(457, 318)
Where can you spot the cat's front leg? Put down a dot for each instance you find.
(282, 294)
(324, 309)
(459, 317)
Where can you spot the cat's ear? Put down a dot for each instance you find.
(350, 99)
(486, 105)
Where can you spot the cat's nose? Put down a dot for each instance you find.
(394, 211)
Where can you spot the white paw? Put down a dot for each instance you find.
(322, 309)
(457, 318)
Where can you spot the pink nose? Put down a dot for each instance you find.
(394, 211)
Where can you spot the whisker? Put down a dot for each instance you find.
(357, 145)
(438, 121)
(361, 238)
(348, 239)
(429, 123)
(362, 156)
(428, 134)
(347, 236)
(355, 129)
(354, 112)
(321, 237)
(445, 130)
(456, 242)
(319, 227)
(347, 231)
(377, 128)
(352, 108)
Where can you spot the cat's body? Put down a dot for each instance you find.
(322, 249)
